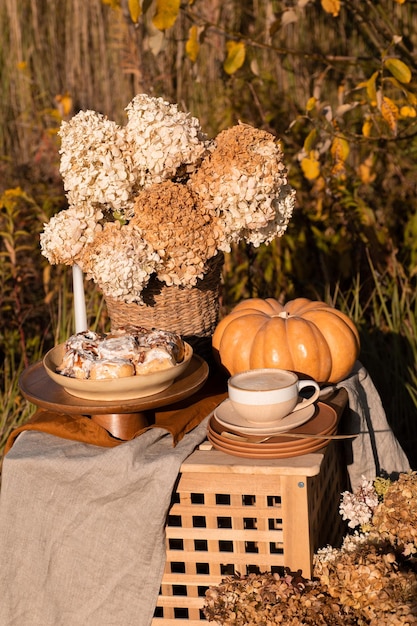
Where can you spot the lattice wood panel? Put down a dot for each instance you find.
(234, 515)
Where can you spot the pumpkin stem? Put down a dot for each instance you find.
(283, 314)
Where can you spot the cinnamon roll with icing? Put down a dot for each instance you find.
(128, 351)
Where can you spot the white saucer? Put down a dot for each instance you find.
(228, 417)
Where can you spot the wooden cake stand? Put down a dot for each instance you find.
(121, 418)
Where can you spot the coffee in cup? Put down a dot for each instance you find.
(268, 395)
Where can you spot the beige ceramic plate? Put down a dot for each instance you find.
(116, 389)
(229, 418)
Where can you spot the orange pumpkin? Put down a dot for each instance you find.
(308, 337)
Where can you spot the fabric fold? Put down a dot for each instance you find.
(376, 448)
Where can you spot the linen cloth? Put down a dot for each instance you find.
(375, 449)
(82, 528)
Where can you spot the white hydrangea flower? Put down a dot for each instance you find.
(353, 541)
(350, 543)
(120, 261)
(67, 233)
(359, 507)
(283, 206)
(96, 164)
(165, 141)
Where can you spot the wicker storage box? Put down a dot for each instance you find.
(241, 515)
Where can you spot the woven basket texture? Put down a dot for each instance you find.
(192, 312)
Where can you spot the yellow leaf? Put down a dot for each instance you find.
(192, 46)
(411, 98)
(371, 88)
(311, 104)
(367, 127)
(64, 104)
(365, 172)
(310, 140)
(339, 170)
(310, 167)
(407, 111)
(236, 52)
(339, 149)
(166, 14)
(399, 70)
(331, 6)
(135, 10)
(389, 112)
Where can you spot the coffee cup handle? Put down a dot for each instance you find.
(302, 384)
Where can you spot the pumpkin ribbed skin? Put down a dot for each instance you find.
(308, 337)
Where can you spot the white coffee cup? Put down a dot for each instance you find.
(268, 395)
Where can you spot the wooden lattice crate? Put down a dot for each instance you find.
(233, 514)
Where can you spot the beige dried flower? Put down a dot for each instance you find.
(272, 599)
(166, 143)
(244, 180)
(180, 230)
(395, 518)
(96, 164)
(369, 579)
(69, 232)
(120, 261)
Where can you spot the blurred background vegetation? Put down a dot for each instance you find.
(334, 81)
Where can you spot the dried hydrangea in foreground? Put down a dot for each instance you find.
(363, 583)
(369, 576)
(174, 199)
(183, 232)
(272, 599)
(166, 143)
(96, 163)
(395, 518)
(370, 580)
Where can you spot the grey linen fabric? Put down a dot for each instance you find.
(375, 449)
(82, 528)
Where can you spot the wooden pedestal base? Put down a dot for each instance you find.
(123, 425)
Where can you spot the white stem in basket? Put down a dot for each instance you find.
(79, 299)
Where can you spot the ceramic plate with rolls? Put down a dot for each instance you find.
(127, 364)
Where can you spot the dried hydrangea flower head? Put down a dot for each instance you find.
(182, 231)
(366, 576)
(359, 507)
(96, 164)
(69, 232)
(395, 518)
(244, 180)
(166, 143)
(120, 261)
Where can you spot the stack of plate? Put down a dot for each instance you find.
(230, 433)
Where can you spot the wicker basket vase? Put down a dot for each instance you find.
(193, 312)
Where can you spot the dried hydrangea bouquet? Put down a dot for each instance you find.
(154, 204)
(370, 580)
